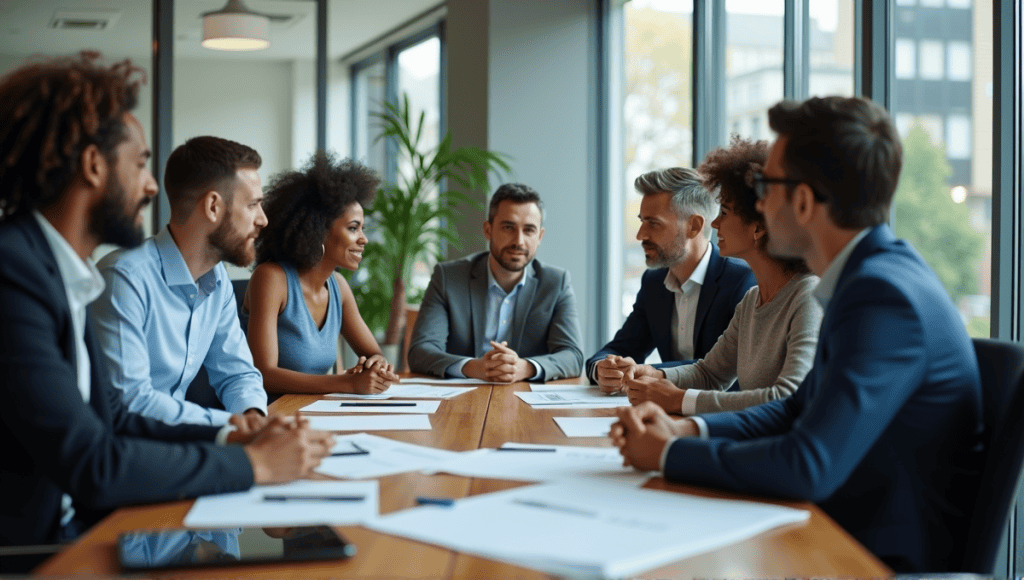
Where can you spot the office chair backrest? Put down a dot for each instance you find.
(1002, 385)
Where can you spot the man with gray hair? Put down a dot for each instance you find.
(689, 293)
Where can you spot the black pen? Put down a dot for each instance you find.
(378, 404)
(526, 449)
(554, 507)
(358, 451)
(300, 497)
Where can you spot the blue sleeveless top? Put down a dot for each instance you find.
(301, 346)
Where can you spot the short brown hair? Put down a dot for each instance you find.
(202, 164)
(52, 111)
(515, 193)
(847, 150)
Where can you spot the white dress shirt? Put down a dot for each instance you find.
(684, 317)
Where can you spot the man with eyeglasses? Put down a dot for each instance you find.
(882, 434)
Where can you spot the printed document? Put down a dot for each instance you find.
(299, 503)
(380, 456)
(369, 422)
(591, 398)
(585, 426)
(409, 390)
(340, 406)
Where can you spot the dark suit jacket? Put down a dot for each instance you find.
(649, 326)
(452, 319)
(55, 443)
(883, 433)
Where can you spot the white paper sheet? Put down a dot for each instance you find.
(248, 508)
(556, 463)
(384, 457)
(409, 389)
(577, 398)
(587, 529)
(397, 422)
(421, 381)
(585, 426)
(338, 406)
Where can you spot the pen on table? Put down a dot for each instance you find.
(302, 497)
(549, 449)
(438, 501)
(358, 451)
(378, 404)
(553, 507)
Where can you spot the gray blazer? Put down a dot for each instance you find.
(451, 322)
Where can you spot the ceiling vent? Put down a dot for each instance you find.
(97, 20)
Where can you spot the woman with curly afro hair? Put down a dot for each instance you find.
(296, 303)
(770, 342)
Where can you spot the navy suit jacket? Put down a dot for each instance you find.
(55, 443)
(545, 327)
(884, 432)
(649, 326)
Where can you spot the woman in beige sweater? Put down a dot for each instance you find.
(770, 342)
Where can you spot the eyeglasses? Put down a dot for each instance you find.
(761, 185)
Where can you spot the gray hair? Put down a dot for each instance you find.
(689, 196)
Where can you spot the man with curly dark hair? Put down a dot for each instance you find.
(169, 309)
(73, 175)
(296, 303)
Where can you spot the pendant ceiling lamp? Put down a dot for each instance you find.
(235, 27)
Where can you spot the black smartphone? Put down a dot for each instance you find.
(180, 548)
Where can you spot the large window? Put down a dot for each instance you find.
(753, 65)
(943, 111)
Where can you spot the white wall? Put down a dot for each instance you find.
(540, 112)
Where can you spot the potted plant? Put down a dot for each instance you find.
(408, 223)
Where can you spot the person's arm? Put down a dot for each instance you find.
(828, 426)
(118, 317)
(428, 348)
(266, 294)
(237, 382)
(634, 339)
(564, 344)
(800, 344)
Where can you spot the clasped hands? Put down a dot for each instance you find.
(642, 432)
(371, 375)
(280, 449)
(501, 364)
(622, 374)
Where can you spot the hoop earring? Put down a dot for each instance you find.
(323, 251)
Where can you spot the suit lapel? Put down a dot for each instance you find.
(478, 301)
(708, 291)
(524, 304)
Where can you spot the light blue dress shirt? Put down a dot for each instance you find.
(157, 326)
(501, 309)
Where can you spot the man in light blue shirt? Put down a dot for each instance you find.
(501, 315)
(169, 308)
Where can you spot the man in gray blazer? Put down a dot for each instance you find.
(500, 316)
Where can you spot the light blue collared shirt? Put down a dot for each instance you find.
(157, 326)
(501, 310)
(822, 293)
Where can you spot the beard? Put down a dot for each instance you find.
(231, 246)
(665, 257)
(499, 256)
(112, 222)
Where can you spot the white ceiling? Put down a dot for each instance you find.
(25, 31)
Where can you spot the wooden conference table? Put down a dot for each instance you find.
(487, 417)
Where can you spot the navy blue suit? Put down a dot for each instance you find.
(649, 326)
(55, 443)
(883, 433)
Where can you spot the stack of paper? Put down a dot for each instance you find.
(364, 455)
(298, 503)
(585, 426)
(586, 528)
(591, 398)
(336, 406)
(527, 462)
(409, 389)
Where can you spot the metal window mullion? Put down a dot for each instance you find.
(391, 95)
(874, 44)
(321, 75)
(163, 102)
(796, 49)
(708, 82)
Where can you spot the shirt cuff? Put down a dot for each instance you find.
(689, 406)
(702, 428)
(222, 435)
(537, 371)
(454, 370)
(664, 454)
